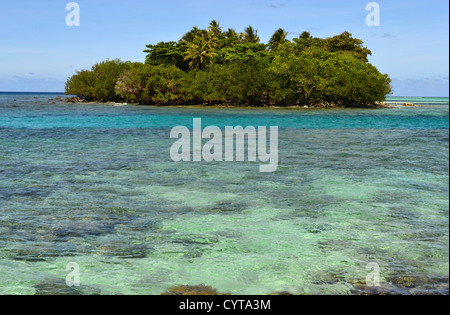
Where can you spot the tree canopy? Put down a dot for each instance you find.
(213, 65)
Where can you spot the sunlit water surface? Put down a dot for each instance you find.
(95, 185)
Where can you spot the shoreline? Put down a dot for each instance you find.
(322, 105)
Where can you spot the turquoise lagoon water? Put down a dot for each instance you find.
(94, 184)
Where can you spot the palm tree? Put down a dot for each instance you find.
(190, 36)
(231, 37)
(215, 29)
(231, 33)
(250, 35)
(278, 38)
(200, 52)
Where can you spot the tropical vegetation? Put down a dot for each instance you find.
(217, 66)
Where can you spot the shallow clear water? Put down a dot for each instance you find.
(95, 185)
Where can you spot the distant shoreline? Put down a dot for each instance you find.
(378, 105)
(64, 94)
(391, 102)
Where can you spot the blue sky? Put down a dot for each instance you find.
(38, 51)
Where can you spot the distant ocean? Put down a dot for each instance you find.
(94, 184)
(419, 100)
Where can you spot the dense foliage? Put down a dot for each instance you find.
(213, 66)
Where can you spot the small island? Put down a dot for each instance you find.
(214, 66)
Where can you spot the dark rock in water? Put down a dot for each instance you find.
(142, 225)
(83, 231)
(59, 287)
(305, 212)
(403, 281)
(361, 288)
(228, 206)
(333, 245)
(124, 251)
(32, 256)
(317, 228)
(224, 207)
(281, 293)
(72, 229)
(72, 100)
(421, 284)
(405, 285)
(192, 290)
(40, 253)
(193, 254)
(327, 278)
(196, 239)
